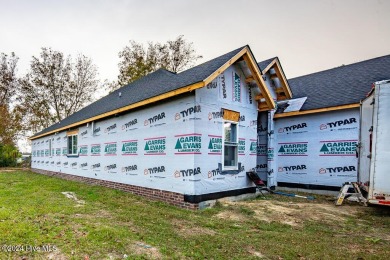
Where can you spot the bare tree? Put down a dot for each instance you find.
(10, 116)
(136, 61)
(8, 80)
(56, 87)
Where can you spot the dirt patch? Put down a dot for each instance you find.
(231, 215)
(72, 195)
(256, 253)
(292, 213)
(56, 255)
(185, 229)
(140, 248)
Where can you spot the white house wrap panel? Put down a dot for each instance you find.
(318, 149)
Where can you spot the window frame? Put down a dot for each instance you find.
(234, 144)
(74, 148)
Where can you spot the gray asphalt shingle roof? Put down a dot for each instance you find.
(347, 84)
(263, 64)
(152, 85)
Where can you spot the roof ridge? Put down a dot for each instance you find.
(210, 61)
(341, 66)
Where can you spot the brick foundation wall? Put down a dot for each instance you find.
(172, 198)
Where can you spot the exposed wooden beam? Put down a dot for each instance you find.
(274, 76)
(269, 66)
(283, 80)
(249, 79)
(258, 97)
(127, 108)
(319, 110)
(249, 59)
(280, 97)
(262, 105)
(225, 66)
(263, 109)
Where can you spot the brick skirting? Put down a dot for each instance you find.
(172, 198)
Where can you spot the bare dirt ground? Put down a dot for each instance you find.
(293, 213)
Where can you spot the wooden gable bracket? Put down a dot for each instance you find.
(259, 97)
(268, 103)
(282, 78)
(286, 93)
(249, 79)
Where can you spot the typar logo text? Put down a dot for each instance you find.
(236, 93)
(110, 129)
(340, 171)
(188, 144)
(294, 129)
(96, 131)
(215, 145)
(223, 91)
(293, 149)
(300, 169)
(338, 148)
(130, 125)
(96, 167)
(130, 170)
(187, 172)
(129, 147)
(111, 168)
(344, 124)
(214, 173)
(156, 172)
(188, 113)
(155, 146)
(84, 166)
(84, 134)
(156, 120)
(216, 115)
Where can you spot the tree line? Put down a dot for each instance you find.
(58, 85)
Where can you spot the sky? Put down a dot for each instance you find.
(307, 36)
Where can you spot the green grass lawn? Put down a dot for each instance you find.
(110, 224)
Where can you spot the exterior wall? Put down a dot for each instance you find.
(119, 152)
(137, 148)
(317, 151)
(228, 91)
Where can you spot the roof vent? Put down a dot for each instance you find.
(120, 94)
